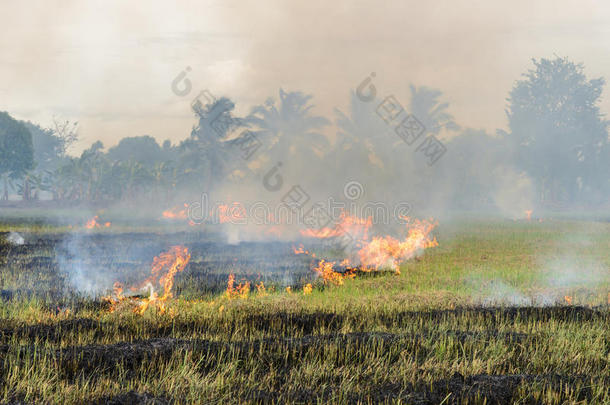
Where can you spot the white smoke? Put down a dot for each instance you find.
(15, 239)
(86, 263)
(514, 192)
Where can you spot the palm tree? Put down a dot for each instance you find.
(289, 129)
(205, 152)
(425, 105)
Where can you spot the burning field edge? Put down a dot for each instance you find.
(470, 319)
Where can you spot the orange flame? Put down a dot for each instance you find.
(176, 212)
(348, 224)
(388, 251)
(118, 296)
(376, 253)
(92, 223)
(327, 272)
(301, 251)
(307, 288)
(232, 212)
(260, 289)
(568, 299)
(164, 268)
(242, 290)
(528, 214)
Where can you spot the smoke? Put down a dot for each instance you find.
(497, 292)
(15, 239)
(570, 268)
(577, 265)
(514, 192)
(86, 263)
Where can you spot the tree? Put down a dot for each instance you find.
(205, 152)
(556, 129)
(364, 149)
(16, 149)
(426, 106)
(289, 130)
(469, 175)
(66, 132)
(142, 149)
(48, 147)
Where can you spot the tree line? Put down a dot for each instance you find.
(556, 139)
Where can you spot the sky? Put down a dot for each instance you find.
(110, 64)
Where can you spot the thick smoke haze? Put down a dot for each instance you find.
(401, 110)
(109, 64)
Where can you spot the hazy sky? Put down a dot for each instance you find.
(110, 64)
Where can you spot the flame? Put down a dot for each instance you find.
(327, 272)
(260, 289)
(307, 288)
(117, 298)
(568, 299)
(242, 290)
(232, 212)
(528, 214)
(301, 251)
(163, 270)
(389, 252)
(348, 224)
(92, 223)
(376, 253)
(179, 212)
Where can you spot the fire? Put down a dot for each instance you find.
(242, 290)
(301, 251)
(93, 223)
(117, 298)
(528, 214)
(389, 252)
(348, 224)
(568, 299)
(163, 270)
(327, 272)
(307, 288)
(176, 212)
(118, 290)
(375, 253)
(260, 289)
(231, 213)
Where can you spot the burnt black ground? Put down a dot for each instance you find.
(126, 257)
(277, 339)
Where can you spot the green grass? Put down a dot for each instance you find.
(443, 330)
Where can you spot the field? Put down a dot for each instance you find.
(501, 311)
